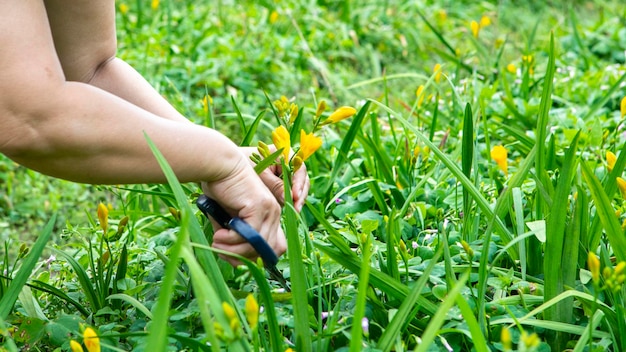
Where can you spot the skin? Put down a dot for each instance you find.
(70, 109)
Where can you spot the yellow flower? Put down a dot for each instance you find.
(594, 266)
(511, 68)
(206, 102)
(230, 313)
(154, 4)
(281, 139)
(273, 17)
(610, 160)
(485, 21)
(442, 15)
(622, 107)
(621, 184)
(419, 93)
(475, 27)
(321, 107)
(437, 72)
(123, 9)
(252, 311)
(75, 346)
(91, 340)
(309, 143)
(505, 338)
(340, 114)
(531, 340)
(499, 155)
(103, 216)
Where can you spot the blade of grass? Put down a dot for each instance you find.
(606, 213)
(342, 254)
(402, 316)
(249, 134)
(28, 264)
(438, 319)
(556, 260)
(356, 333)
(299, 286)
(467, 156)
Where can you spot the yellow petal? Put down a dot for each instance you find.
(475, 27)
(610, 160)
(437, 72)
(103, 216)
(420, 95)
(309, 144)
(91, 340)
(75, 346)
(499, 155)
(511, 68)
(594, 266)
(154, 4)
(281, 139)
(485, 21)
(340, 114)
(622, 107)
(252, 311)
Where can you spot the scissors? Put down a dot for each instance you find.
(211, 208)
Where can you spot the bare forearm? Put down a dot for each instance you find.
(89, 135)
(119, 78)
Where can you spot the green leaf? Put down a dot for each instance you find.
(28, 264)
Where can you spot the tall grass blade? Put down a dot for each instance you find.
(28, 264)
(467, 156)
(356, 333)
(402, 316)
(606, 213)
(251, 131)
(437, 320)
(299, 286)
(556, 260)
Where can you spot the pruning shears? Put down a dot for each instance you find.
(211, 208)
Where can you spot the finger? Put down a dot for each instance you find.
(228, 237)
(274, 184)
(299, 202)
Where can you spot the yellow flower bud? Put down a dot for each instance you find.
(252, 311)
(155, 4)
(475, 28)
(103, 216)
(485, 21)
(622, 107)
(610, 160)
(91, 340)
(321, 107)
(619, 268)
(281, 139)
(273, 17)
(437, 72)
(419, 93)
(594, 266)
(123, 10)
(511, 68)
(505, 338)
(229, 311)
(340, 114)
(75, 346)
(499, 155)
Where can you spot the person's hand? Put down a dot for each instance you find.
(271, 177)
(243, 194)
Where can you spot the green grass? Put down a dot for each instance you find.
(412, 237)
